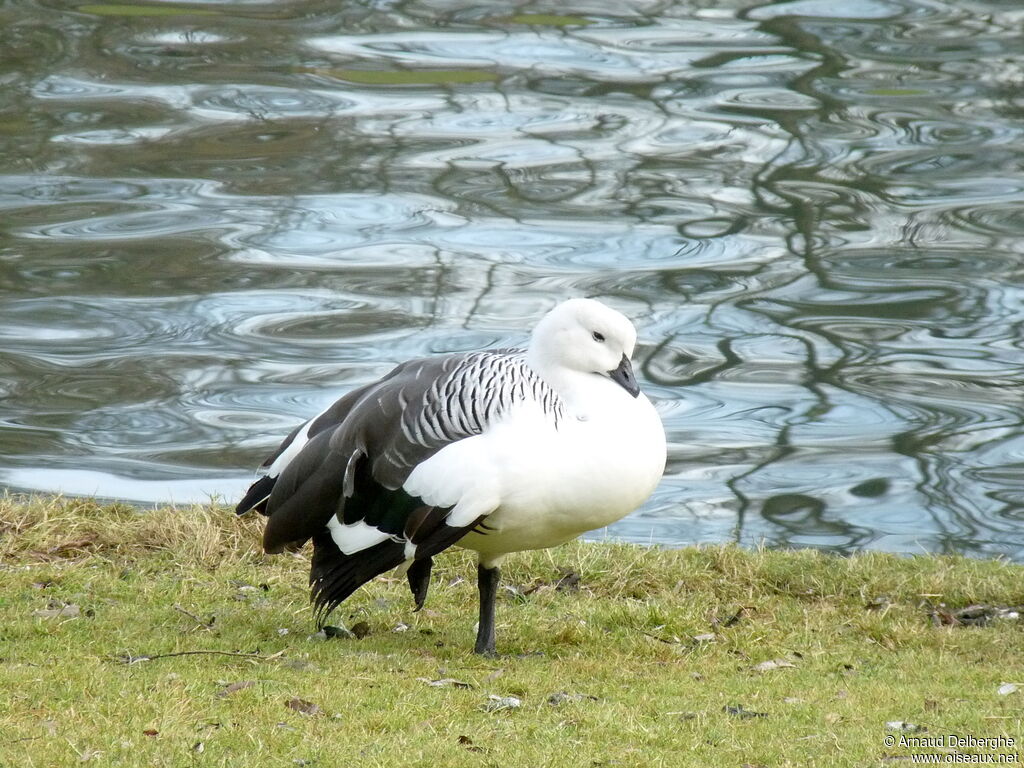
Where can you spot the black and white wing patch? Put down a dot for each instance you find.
(258, 495)
(342, 487)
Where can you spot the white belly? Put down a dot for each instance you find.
(546, 486)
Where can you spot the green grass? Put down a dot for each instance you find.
(858, 631)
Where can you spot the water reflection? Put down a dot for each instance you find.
(216, 221)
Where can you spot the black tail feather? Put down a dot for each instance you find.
(334, 575)
(256, 497)
(419, 580)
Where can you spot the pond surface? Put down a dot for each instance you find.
(216, 217)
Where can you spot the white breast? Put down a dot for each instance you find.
(541, 485)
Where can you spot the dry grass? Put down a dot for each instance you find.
(58, 527)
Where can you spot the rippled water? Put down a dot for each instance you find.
(216, 217)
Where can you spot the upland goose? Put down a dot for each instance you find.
(497, 451)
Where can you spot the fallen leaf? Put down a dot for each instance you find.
(445, 682)
(768, 666)
(467, 742)
(303, 707)
(498, 703)
(904, 726)
(235, 687)
(128, 658)
(329, 632)
(976, 615)
(151, 731)
(737, 710)
(570, 581)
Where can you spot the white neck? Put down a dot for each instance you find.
(581, 391)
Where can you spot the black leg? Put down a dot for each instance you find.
(487, 579)
(419, 580)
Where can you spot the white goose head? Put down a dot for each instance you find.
(583, 336)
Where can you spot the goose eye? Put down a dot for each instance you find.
(598, 336)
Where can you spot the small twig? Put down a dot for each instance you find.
(196, 619)
(686, 646)
(659, 638)
(129, 659)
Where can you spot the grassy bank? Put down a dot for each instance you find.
(166, 638)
